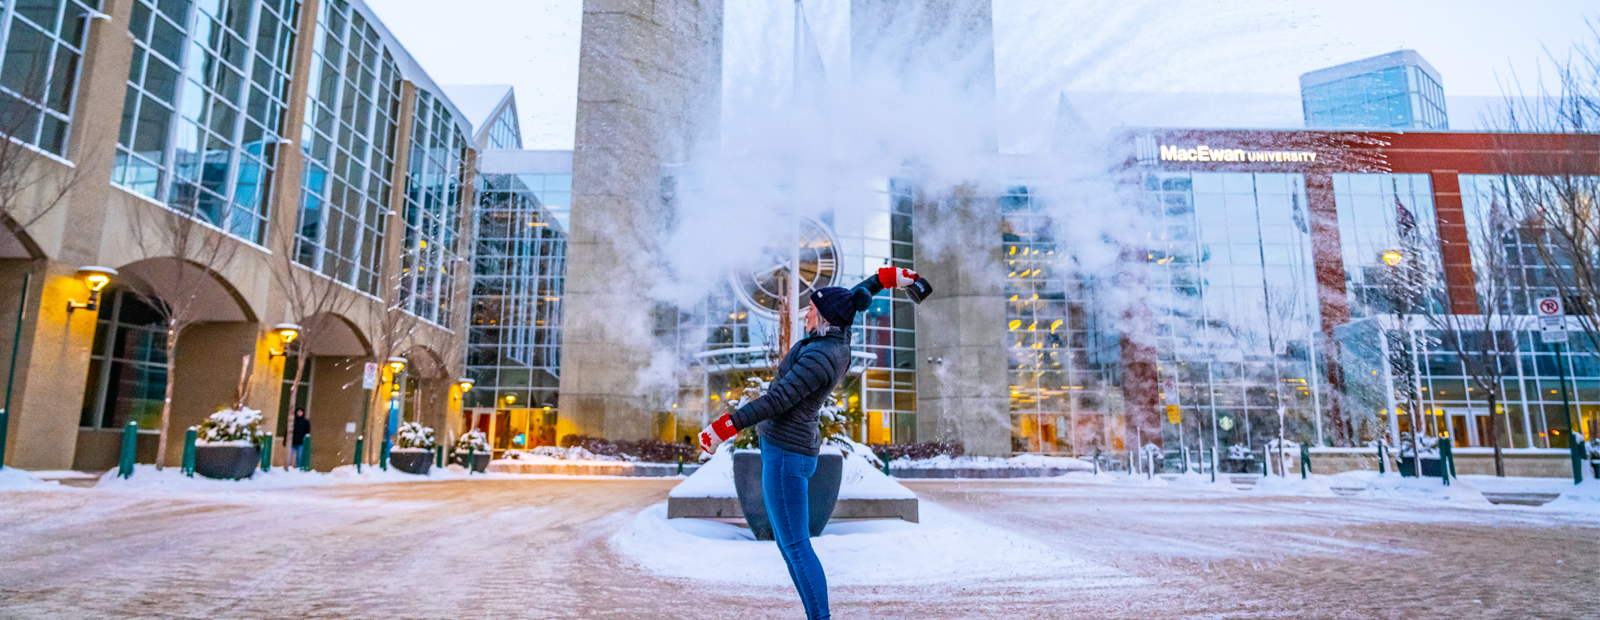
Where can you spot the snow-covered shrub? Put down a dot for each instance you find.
(232, 427)
(1430, 446)
(413, 436)
(1240, 451)
(647, 450)
(473, 441)
(919, 451)
(1594, 449)
(1289, 446)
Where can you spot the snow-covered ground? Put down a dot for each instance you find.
(945, 546)
(1064, 463)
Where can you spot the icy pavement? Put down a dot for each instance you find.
(560, 547)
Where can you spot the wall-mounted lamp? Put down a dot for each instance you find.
(397, 364)
(286, 332)
(95, 278)
(511, 398)
(1392, 257)
(465, 383)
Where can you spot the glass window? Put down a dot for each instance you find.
(193, 135)
(39, 69)
(348, 140)
(432, 212)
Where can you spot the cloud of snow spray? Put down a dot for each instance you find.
(810, 137)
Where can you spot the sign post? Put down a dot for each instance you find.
(1553, 331)
(369, 381)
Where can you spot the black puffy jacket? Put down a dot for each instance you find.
(787, 414)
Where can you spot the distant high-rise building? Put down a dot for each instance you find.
(1398, 90)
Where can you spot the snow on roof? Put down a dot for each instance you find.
(478, 102)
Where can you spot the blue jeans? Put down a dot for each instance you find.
(785, 486)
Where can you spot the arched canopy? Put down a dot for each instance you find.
(169, 279)
(425, 363)
(334, 335)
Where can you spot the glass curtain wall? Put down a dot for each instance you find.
(1058, 383)
(39, 71)
(1234, 295)
(432, 212)
(878, 233)
(202, 118)
(349, 144)
(519, 268)
(1402, 96)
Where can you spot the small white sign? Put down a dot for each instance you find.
(369, 378)
(349, 427)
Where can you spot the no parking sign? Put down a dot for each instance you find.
(1552, 321)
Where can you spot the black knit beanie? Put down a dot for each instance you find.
(835, 305)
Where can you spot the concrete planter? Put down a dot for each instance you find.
(417, 462)
(480, 461)
(1430, 467)
(822, 494)
(1240, 466)
(226, 462)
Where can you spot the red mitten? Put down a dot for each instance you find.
(896, 277)
(719, 431)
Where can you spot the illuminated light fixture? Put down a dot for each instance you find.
(1392, 257)
(511, 398)
(287, 332)
(96, 278)
(397, 364)
(465, 383)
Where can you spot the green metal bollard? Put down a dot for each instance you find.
(680, 465)
(438, 455)
(1579, 455)
(1213, 464)
(1266, 458)
(266, 453)
(189, 438)
(1305, 460)
(305, 454)
(1097, 461)
(1447, 460)
(130, 443)
(471, 456)
(1380, 458)
(361, 444)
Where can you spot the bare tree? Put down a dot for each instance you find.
(197, 251)
(1558, 197)
(312, 298)
(1486, 343)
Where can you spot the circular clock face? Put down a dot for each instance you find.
(763, 286)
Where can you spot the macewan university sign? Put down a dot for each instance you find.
(1206, 153)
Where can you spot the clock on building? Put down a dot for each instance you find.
(763, 286)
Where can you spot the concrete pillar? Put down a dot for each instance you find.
(335, 404)
(1333, 303)
(965, 397)
(649, 75)
(48, 398)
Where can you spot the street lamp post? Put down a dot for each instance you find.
(1399, 290)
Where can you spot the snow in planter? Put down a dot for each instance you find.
(474, 441)
(861, 479)
(1240, 451)
(413, 436)
(544, 454)
(1430, 446)
(231, 427)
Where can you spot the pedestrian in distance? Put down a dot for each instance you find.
(786, 420)
(297, 437)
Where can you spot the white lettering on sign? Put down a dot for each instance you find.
(1206, 153)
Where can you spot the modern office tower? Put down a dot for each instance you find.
(1398, 90)
(649, 86)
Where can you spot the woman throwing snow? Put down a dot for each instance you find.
(786, 419)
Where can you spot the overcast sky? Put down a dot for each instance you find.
(1047, 46)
